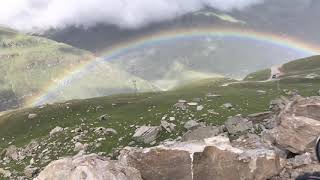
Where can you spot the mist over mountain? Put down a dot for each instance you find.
(40, 15)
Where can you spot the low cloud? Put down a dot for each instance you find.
(39, 15)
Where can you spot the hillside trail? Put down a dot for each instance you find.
(275, 74)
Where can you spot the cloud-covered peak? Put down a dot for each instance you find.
(38, 15)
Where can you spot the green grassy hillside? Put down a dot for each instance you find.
(305, 64)
(259, 75)
(128, 111)
(28, 64)
(302, 66)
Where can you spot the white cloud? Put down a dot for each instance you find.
(31, 15)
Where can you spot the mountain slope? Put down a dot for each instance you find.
(29, 63)
(126, 112)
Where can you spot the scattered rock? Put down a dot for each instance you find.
(200, 108)
(146, 134)
(11, 152)
(212, 111)
(5, 173)
(104, 117)
(172, 118)
(181, 105)
(238, 124)
(210, 95)
(169, 127)
(102, 131)
(259, 117)
(193, 104)
(227, 105)
(88, 167)
(182, 101)
(191, 124)
(31, 172)
(278, 104)
(56, 130)
(32, 116)
(201, 133)
(80, 147)
(261, 92)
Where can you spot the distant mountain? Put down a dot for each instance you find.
(297, 18)
(29, 64)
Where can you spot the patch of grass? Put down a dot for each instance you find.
(259, 75)
(302, 65)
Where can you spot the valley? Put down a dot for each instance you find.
(77, 122)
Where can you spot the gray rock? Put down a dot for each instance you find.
(299, 125)
(31, 172)
(56, 130)
(210, 95)
(12, 152)
(5, 173)
(32, 116)
(259, 117)
(102, 131)
(169, 127)
(201, 133)
(300, 160)
(200, 108)
(181, 105)
(212, 111)
(223, 161)
(193, 104)
(278, 104)
(238, 124)
(159, 164)
(80, 147)
(261, 92)
(227, 105)
(146, 134)
(88, 167)
(104, 117)
(191, 124)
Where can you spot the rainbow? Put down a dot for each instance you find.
(283, 41)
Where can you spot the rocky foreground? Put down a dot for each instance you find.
(278, 144)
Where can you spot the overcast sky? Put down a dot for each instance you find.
(38, 15)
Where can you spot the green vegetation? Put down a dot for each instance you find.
(304, 64)
(28, 63)
(144, 109)
(259, 75)
(302, 67)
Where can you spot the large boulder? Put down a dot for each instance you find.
(146, 134)
(160, 164)
(299, 125)
(208, 159)
(223, 161)
(87, 167)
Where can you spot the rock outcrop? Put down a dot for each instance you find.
(299, 125)
(87, 167)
